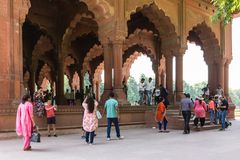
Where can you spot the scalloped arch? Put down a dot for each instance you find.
(95, 51)
(207, 40)
(143, 38)
(163, 24)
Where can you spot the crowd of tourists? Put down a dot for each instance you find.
(216, 105)
(25, 124)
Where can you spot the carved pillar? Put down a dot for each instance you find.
(107, 52)
(60, 82)
(97, 91)
(117, 65)
(169, 76)
(179, 76)
(220, 71)
(226, 79)
(163, 78)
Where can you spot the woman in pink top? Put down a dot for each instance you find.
(200, 109)
(25, 121)
(90, 121)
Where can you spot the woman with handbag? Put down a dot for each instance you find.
(90, 121)
(25, 121)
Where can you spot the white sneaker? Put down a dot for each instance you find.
(108, 139)
(121, 137)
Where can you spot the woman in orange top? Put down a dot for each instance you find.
(161, 115)
(211, 109)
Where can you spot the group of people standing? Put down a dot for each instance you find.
(149, 94)
(25, 123)
(217, 106)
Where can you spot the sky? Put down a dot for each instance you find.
(194, 67)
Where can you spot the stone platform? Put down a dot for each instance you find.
(139, 144)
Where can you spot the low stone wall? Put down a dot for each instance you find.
(71, 117)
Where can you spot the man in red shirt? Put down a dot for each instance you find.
(51, 120)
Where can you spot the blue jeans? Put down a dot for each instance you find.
(223, 115)
(164, 124)
(212, 115)
(149, 97)
(141, 94)
(109, 124)
(91, 136)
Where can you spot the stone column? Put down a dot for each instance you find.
(60, 82)
(11, 67)
(220, 71)
(179, 76)
(97, 90)
(117, 65)
(169, 76)
(107, 52)
(226, 79)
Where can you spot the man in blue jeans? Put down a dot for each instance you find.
(111, 107)
(223, 112)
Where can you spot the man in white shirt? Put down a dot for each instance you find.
(142, 86)
(149, 91)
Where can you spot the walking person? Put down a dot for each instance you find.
(160, 117)
(90, 121)
(51, 118)
(111, 107)
(223, 112)
(200, 109)
(25, 121)
(186, 107)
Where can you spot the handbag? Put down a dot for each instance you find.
(36, 137)
(98, 114)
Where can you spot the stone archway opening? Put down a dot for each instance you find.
(195, 70)
(203, 36)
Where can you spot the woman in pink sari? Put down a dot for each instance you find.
(25, 121)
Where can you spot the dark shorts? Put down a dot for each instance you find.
(51, 120)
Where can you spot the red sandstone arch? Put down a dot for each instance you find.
(43, 45)
(97, 80)
(69, 60)
(102, 11)
(142, 38)
(24, 8)
(164, 26)
(66, 40)
(95, 51)
(203, 36)
(45, 72)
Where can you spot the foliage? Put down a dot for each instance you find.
(101, 88)
(132, 92)
(194, 90)
(66, 83)
(225, 10)
(235, 96)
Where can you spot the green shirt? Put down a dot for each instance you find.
(111, 106)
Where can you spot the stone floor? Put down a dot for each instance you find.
(139, 144)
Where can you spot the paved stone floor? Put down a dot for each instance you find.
(139, 144)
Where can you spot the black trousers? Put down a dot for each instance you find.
(91, 134)
(202, 121)
(186, 117)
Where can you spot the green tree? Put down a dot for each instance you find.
(225, 10)
(132, 92)
(194, 90)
